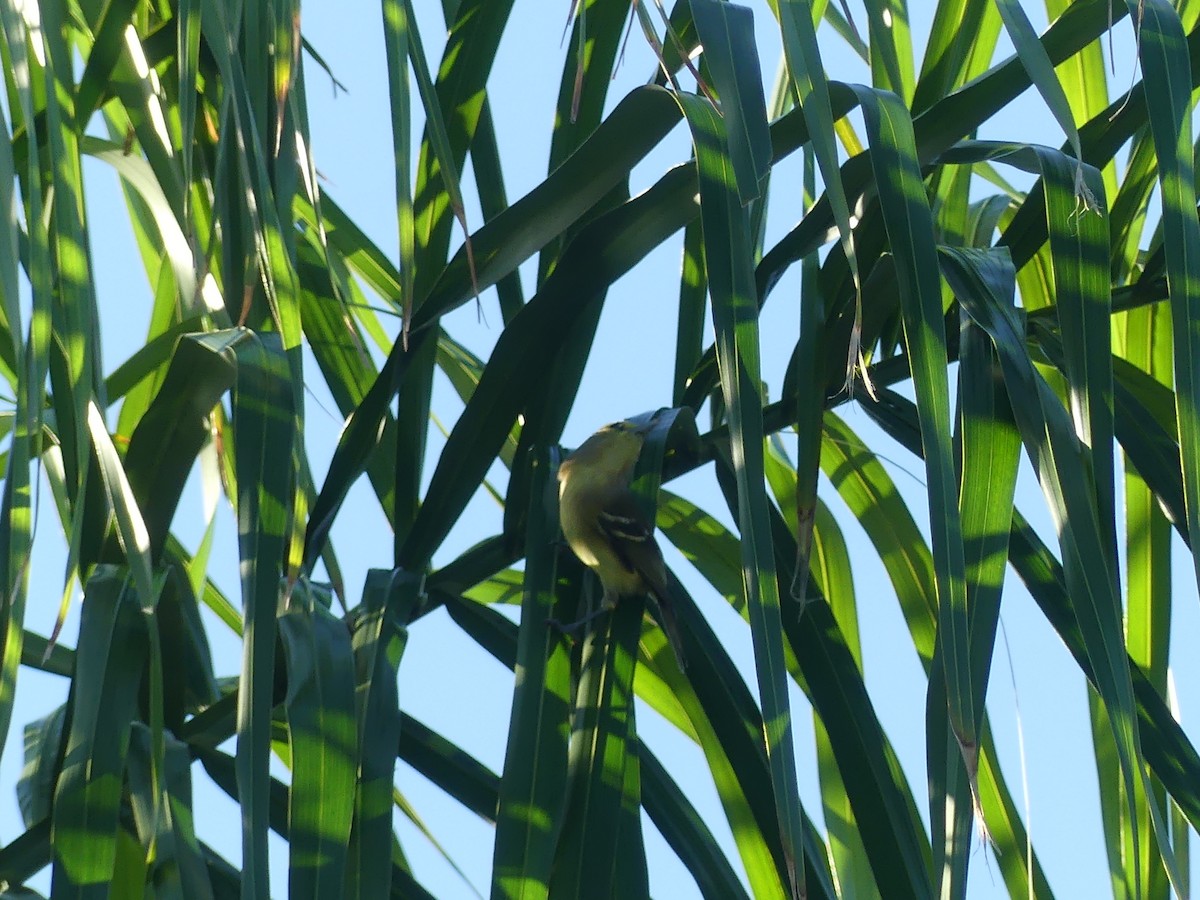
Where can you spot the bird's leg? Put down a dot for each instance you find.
(572, 627)
(607, 604)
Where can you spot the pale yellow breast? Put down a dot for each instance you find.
(590, 544)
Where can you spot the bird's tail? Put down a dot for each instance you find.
(670, 627)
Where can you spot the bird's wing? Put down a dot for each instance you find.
(632, 541)
(627, 532)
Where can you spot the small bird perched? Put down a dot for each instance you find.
(604, 527)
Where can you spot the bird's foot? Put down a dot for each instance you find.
(573, 627)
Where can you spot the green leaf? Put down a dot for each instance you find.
(1161, 51)
(1041, 71)
(727, 255)
(396, 25)
(164, 822)
(603, 251)
(377, 645)
(980, 281)
(638, 124)
(684, 829)
(104, 698)
(16, 520)
(910, 229)
(872, 496)
(43, 750)
(531, 810)
(322, 735)
(600, 846)
(989, 450)
(1168, 752)
(264, 422)
(722, 714)
(456, 772)
(727, 33)
(199, 297)
(1146, 342)
(803, 55)
(897, 416)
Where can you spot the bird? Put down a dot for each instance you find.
(604, 526)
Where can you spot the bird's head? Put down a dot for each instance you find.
(613, 449)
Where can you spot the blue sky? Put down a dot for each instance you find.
(452, 685)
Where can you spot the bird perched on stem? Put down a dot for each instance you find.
(605, 528)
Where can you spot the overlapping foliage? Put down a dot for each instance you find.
(913, 265)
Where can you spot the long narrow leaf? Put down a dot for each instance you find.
(727, 254)
(531, 808)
